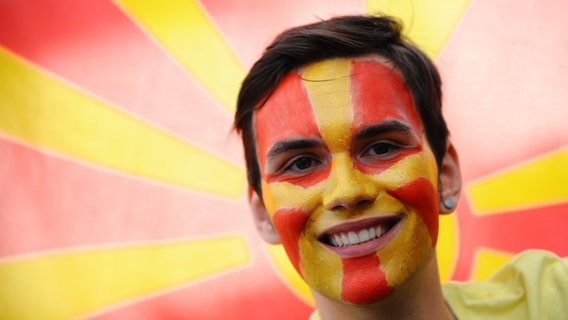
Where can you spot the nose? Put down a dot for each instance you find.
(348, 188)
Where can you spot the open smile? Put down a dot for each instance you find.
(361, 237)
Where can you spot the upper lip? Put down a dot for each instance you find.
(359, 224)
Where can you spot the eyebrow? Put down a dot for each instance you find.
(385, 127)
(292, 144)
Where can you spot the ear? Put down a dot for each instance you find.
(262, 219)
(449, 180)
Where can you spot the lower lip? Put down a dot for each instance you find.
(365, 248)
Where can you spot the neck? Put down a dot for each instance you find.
(420, 297)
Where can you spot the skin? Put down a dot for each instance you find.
(341, 148)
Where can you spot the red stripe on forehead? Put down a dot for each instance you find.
(288, 113)
(379, 93)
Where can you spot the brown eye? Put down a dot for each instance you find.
(381, 149)
(302, 164)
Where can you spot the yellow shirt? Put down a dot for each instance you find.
(533, 285)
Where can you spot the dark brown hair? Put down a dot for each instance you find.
(348, 36)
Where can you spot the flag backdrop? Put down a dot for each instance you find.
(122, 191)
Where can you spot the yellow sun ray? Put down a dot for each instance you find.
(60, 118)
(487, 261)
(428, 23)
(68, 285)
(185, 30)
(538, 182)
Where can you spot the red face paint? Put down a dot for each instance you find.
(363, 281)
(286, 115)
(290, 224)
(421, 195)
(378, 94)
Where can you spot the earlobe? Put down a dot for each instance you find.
(450, 180)
(262, 219)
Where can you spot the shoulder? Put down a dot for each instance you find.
(540, 259)
(533, 285)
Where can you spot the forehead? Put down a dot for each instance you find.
(330, 94)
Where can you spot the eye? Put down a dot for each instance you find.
(381, 149)
(301, 164)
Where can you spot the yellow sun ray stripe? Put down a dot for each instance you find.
(487, 261)
(185, 30)
(37, 108)
(535, 183)
(65, 286)
(428, 23)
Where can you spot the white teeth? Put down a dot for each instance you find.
(352, 237)
(345, 239)
(364, 235)
(333, 242)
(338, 240)
(380, 231)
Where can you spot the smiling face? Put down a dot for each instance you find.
(348, 178)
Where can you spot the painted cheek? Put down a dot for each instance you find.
(286, 114)
(290, 207)
(421, 195)
(363, 280)
(289, 224)
(379, 93)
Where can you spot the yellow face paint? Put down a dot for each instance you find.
(348, 178)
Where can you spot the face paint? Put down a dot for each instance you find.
(363, 280)
(421, 195)
(277, 121)
(290, 224)
(348, 178)
(374, 85)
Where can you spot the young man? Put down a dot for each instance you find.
(350, 164)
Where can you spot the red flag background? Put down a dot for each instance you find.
(122, 190)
